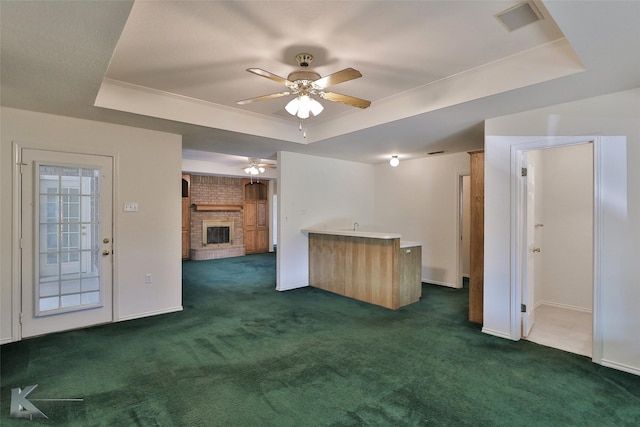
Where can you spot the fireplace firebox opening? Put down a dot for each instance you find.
(216, 233)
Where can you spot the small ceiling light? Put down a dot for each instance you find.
(394, 161)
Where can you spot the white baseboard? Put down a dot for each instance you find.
(621, 367)
(6, 340)
(496, 333)
(435, 282)
(121, 319)
(565, 306)
(149, 314)
(289, 288)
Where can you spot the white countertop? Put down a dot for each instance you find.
(369, 234)
(409, 244)
(352, 233)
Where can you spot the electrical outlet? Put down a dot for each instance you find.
(131, 207)
(147, 279)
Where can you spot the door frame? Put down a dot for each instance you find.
(528, 316)
(16, 250)
(459, 230)
(519, 236)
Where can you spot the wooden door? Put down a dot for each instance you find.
(476, 238)
(256, 217)
(186, 216)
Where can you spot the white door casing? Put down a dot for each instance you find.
(462, 229)
(66, 238)
(605, 193)
(528, 315)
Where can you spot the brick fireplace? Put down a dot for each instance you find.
(217, 202)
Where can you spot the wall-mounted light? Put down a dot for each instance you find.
(394, 161)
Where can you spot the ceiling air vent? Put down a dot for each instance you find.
(519, 16)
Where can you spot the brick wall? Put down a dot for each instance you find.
(215, 190)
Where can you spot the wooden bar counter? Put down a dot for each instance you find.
(368, 266)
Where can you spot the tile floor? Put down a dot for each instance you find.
(564, 329)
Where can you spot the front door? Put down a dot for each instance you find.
(66, 241)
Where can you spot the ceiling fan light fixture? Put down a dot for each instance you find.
(316, 107)
(305, 106)
(255, 167)
(303, 113)
(302, 106)
(292, 106)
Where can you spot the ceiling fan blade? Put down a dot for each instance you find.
(338, 77)
(271, 76)
(345, 99)
(263, 97)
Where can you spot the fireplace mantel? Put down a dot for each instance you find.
(202, 207)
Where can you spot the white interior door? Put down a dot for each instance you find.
(528, 316)
(66, 241)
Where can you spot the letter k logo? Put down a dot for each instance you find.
(21, 407)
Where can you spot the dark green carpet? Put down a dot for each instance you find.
(243, 354)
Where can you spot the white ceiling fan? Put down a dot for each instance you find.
(255, 166)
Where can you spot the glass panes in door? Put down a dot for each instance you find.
(68, 240)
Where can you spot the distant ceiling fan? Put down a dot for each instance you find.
(255, 167)
(304, 84)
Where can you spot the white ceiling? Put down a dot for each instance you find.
(434, 70)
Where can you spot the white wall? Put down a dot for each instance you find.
(317, 192)
(410, 199)
(420, 200)
(612, 114)
(147, 171)
(567, 215)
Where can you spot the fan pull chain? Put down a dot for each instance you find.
(302, 129)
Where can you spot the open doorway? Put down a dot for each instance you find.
(558, 275)
(464, 230)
